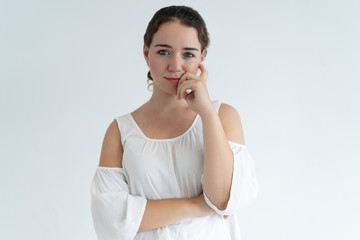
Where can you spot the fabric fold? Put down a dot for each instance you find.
(244, 185)
(116, 213)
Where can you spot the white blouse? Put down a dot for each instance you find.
(166, 168)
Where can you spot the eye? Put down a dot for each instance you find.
(163, 52)
(189, 55)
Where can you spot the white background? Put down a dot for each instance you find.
(290, 68)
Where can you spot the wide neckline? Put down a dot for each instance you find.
(163, 139)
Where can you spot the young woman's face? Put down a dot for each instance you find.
(175, 50)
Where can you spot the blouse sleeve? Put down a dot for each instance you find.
(116, 214)
(244, 185)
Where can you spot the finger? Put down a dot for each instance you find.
(185, 77)
(204, 72)
(183, 89)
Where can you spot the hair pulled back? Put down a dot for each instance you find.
(182, 14)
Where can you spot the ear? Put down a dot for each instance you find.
(146, 54)
(203, 55)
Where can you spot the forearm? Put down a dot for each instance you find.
(160, 213)
(218, 161)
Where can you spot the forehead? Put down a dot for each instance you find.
(176, 34)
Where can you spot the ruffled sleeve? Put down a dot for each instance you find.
(116, 214)
(244, 185)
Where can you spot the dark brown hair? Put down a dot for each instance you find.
(186, 16)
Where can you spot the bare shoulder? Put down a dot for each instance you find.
(112, 150)
(231, 123)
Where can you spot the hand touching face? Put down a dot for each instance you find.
(193, 89)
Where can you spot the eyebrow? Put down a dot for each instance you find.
(168, 46)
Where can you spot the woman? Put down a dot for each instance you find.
(176, 167)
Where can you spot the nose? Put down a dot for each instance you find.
(175, 63)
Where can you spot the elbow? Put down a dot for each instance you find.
(218, 195)
(222, 206)
(220, 201)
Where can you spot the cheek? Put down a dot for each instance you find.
(192, 67)
(157, 64)
(154, 67)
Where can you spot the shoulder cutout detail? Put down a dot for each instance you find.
(231, 123)
(111, 151)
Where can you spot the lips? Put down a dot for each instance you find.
(173, 80)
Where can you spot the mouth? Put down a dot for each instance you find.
(173, 80)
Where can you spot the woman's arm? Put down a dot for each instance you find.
(218, 157)
(217, 130)
(158, 213)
